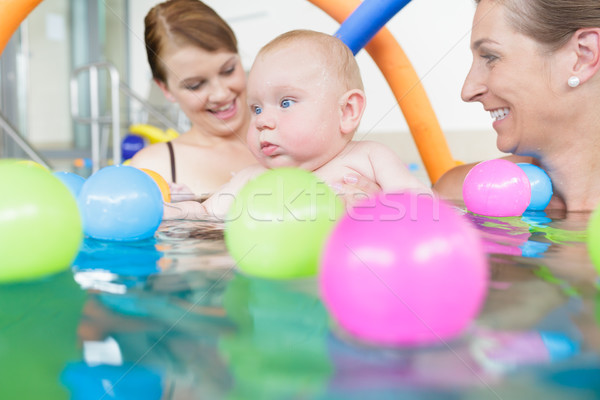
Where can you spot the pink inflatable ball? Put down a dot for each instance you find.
(497, 188)
(403, 269)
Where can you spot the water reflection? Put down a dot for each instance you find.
(171, 318)
(38, 325)
(279, 350)
(165, 333)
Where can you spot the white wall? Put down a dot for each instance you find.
(433, 33)
(49, 118)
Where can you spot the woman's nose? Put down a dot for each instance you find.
(218, 91)
(473, 87)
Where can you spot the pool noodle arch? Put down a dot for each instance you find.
(401, 77)
(366, 21)
(13, 12)
(385, 51)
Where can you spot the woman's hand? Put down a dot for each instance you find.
(355, 188)
(185, 210)
(181, 192)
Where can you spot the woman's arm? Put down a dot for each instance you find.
(218, 204)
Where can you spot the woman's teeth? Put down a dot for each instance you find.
(223, 108)
(499, 113)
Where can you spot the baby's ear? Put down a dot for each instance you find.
(352, 107)
(163, 87)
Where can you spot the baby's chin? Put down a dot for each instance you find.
(278, 162)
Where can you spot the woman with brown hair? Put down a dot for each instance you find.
(194, 60)
(535, 69)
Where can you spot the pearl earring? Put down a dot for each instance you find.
(573, 81)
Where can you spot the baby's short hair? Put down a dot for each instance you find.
(334, 52)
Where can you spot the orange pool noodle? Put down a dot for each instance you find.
(12, 13)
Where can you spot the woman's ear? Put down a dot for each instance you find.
(163, 87)
(587, 50)
(352, 107)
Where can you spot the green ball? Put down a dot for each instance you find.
(279, 222)
(40, 225)
(593, 238)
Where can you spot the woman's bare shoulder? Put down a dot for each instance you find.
(150, 154)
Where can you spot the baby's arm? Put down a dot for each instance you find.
(390, 171)
(218, 204)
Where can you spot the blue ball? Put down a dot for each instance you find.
(120, 203)
(541, 186)
(72, 181)
(130, 145)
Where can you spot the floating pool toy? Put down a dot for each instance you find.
(152, 133)
(278, 224)
(130, 145)
(541, 186)
(72, 181)
(120, 203)
(142, 133)
(32, 163)
(496, 188)
(165, 190)
(40, 226)
(403, 269)
(593, 238)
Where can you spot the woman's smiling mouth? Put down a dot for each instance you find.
(499, 113)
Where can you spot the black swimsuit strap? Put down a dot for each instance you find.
(172, 157)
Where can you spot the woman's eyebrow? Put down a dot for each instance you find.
(477, 44)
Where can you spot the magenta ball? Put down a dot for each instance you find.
(403, 269)
(497, 188)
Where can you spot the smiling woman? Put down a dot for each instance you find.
(535, 69)
(194, 60)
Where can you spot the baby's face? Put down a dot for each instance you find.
(294, 107)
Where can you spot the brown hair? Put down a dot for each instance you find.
(184, 23)
(551, 22)
(332, 49)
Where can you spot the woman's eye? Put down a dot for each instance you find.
(286, 103)
(229, 71)
(193, 86)
(489, 58)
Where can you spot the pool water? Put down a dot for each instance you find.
(170, 318)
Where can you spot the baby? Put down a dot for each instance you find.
(306, 98)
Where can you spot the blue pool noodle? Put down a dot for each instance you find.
(366, 21)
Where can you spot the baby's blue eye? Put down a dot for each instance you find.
(286, 103)
(257, 110)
